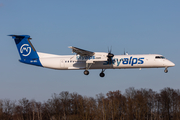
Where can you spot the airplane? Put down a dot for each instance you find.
(85, 60)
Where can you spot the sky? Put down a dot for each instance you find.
(138, 26)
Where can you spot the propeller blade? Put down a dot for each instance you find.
(110, 56)
(111, 49)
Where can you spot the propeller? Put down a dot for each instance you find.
(110, 56)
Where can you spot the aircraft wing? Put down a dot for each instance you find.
(81, 52)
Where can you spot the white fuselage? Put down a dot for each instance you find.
(99, 61)
(86, 59)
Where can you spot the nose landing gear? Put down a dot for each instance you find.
(166, 70)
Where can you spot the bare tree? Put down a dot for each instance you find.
(8, 107)
(135, 104)
(101, 114)
(1, 109)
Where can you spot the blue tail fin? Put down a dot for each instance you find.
(26, 50)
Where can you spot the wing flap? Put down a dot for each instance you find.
(76, 68)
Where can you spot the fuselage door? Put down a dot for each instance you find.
(62, 63)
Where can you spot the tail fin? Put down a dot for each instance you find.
(26, 50)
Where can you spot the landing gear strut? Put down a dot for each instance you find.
(86, 72)
(166, 70)
(102, 73)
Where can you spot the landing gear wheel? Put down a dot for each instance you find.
(166, 70)
(101, 74)
(86, 72)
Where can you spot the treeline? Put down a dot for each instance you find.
(134, 104)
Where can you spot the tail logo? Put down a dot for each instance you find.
(25, 50)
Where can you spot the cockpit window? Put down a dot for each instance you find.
(160, 57)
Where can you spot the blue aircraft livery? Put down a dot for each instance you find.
(85, 60)
(85, 57)
(125, 61)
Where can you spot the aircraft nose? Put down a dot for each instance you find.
(171, 64)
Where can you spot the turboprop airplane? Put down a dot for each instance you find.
(85, 60)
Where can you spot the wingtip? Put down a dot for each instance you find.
(70, 47)
(17, 35)
(10, 35)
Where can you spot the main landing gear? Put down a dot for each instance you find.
(88, 65)
(166, 70)
(86, 72)
(102, 73)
